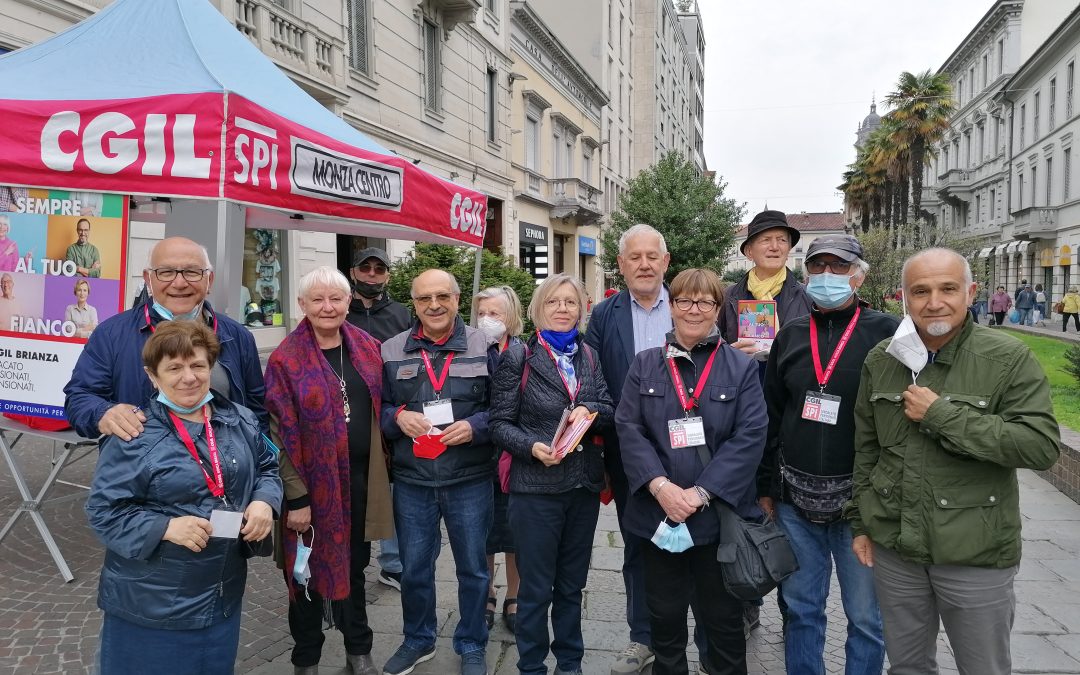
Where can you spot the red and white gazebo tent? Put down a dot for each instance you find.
(166, 98)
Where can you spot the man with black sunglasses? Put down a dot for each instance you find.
(372, 310)
(108, 385)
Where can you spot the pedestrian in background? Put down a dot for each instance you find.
(1025, 303)
(554, 498)
(1040, 305)
(1000, 302)
(1070, 306)
(498, 315)
(324, 387)
(693, 396)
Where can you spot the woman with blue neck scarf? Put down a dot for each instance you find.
(555, 499)
(179, 509)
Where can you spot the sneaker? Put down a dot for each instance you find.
(391, 579)
(633, 659)
(474, 663)
(405, 659)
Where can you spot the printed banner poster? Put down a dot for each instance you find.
(61, 260)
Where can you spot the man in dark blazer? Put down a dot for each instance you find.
(629, 322)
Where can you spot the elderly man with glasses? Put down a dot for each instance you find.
(108, 385)
(436, 393)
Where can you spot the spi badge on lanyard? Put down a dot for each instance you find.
(225, 522)
(440, 411)
(819, 406)
(688, 432)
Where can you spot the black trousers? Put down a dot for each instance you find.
(668, 596)
(350, 614)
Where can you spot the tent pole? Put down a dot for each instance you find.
(476, 271)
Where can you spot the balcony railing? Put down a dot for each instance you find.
(292, 42)
(1035, 222)
(955, 185)
(575, 198)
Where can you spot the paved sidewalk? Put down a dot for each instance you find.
(47, 626)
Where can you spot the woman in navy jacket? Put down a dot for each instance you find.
(170, 589)
(697, 390)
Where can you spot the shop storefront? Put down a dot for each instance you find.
(533, 252)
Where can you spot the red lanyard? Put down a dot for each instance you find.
(688, 402)
(146, 312)
(437, 384)
(572, 394)
(823, 377)
(217, 483)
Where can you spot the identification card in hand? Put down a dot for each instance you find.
(226, 524)
(440, 412)
(686, 433)
(820, 407)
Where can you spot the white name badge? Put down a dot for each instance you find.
(226, 524)
(439, 412)
(686, 433)
(819, 407)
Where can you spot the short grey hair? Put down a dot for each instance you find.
(455, 288)
(323, 276)
(511, 302)
(641, 228)
(4, 220)
(544, 291)
(936, 251)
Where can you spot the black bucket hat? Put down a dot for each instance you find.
(768, 220)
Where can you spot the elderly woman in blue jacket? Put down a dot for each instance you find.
(179, 508)
(696, 390)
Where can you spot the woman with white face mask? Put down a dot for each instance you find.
(498, 315)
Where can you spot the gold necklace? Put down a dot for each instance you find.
(341, 381)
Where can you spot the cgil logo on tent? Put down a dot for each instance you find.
(467, 216)
(108, 145)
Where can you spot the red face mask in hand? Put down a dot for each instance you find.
(428, 446)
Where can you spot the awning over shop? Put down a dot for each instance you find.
(1011, 248)
(166, 97)
(1023, 247)
(985, 253)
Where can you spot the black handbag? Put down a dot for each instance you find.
(754, 557)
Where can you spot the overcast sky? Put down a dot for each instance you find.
(788, 81)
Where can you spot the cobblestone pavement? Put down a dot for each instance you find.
(47, 626)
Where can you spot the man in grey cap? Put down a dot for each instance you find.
(811, 384)
(372, 311)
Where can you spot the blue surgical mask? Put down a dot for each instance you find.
(164, 400)
(301, 571)
(828, 290)
(169, 316)
(672, 539)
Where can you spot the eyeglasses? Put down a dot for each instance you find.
(441, 298)
(555, 302)
(685, 304)
(366, 268)
(836, 266)
(168, 274)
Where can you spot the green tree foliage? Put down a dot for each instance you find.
(1072, 361)
(495, 270)
(689, 209)
(885, 251)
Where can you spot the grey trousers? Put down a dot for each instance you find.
(975, 604)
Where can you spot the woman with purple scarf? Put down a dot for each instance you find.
(323, 386)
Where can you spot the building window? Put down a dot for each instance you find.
(982, 143)
(1035, 119)
(945, 158)
(359, 44)
(986, 69)
(432, 65)
(971, 82)
(1049, 178)
(1051, 106)
(993, 204)
(492, 104)
(1065, 175)
(1023, 122)
(1000, 56)
(557, 151)
(1069, 90)
(532, 141)
(997, 134)
(967, 149)
(586, 165)
(492, 6)
(978, 208)
(960, 92)
(1019, 191)
(568, 151)
(1034, 184)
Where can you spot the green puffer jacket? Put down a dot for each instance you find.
(944, 491)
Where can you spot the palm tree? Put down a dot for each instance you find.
(887, 154)
(921, 107)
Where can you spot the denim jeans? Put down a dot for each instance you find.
(806, 592)
(553, 561)
(1025, 316)
(633, 568)
(465, 508)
